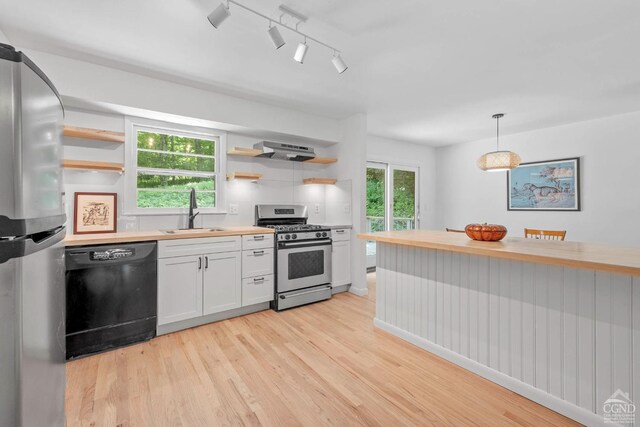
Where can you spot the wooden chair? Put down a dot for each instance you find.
(532, 233)
(453, 230)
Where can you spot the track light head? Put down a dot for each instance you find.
(218, 16)
(341, 67)
(276, 37)
(301, 52)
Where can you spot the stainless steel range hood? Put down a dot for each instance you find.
(282, 151)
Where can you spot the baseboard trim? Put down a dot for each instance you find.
(203, 320)
(361, 292)
(545, 399)
(339, 289)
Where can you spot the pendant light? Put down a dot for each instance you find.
(498, 161)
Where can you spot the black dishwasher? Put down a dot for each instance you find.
(111, 296)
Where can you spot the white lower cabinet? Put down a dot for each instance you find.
(257, 289)
(179, 289)
(341, 258)
(201, 277)
(222, 288)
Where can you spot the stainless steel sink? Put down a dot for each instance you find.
(192, 230)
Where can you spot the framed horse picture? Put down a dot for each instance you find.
(552, 185)
(95, 213)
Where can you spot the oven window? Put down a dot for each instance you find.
(306, 264)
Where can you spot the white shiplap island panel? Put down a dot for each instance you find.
(565, 337)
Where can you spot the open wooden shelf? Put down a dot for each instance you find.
(252, 152)
(244, 175)
(246, 152)
(97, 134)
(91, 165)
(326, 181)
(322, 160)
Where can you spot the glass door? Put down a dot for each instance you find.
(392, 201)
(404, 212)
(376, 205)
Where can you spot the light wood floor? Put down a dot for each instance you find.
(322, 364)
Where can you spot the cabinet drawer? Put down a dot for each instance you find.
(257, 289)
(257, 241)
(340, 234)
(209, 245)
(258, 262)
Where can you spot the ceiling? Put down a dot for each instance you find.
(423, 71)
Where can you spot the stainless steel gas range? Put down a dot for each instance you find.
(303, 255)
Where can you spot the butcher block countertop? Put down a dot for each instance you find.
(145, 236)
(616, 259)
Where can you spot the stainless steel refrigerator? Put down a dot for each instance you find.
(32, 226)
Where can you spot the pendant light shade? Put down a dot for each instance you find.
(301, 52)
(219, 14)
(276, 37)
(498, 161)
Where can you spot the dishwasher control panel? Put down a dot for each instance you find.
(111, 254)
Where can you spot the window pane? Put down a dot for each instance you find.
(176, 144)
(173, 199)
(175, 161)
(404, 199)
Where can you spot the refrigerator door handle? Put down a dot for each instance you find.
(26, 245)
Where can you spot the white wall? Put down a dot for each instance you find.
(281, 182)
(609, 149)
(408, 154)
(350, 172)
(3, 38)
(100, 84)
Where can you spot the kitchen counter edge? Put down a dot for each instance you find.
(600, 257)
(154, 235)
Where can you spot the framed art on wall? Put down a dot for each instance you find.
(95, 213)
(552, 185)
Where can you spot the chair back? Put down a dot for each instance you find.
(532, 233)
(453, 230)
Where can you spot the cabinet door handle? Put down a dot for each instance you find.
(258, 253)
(200, 263)
(258, 237)
(339, 231)
(206, 262)
(258, 279)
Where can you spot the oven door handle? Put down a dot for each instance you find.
(284, 245)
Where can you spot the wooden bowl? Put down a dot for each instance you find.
(486, 232)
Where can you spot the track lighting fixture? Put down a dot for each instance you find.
(276, 37)
(301, 51)
(221, 13)
(341, 67)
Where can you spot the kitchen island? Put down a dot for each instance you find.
(558, 322)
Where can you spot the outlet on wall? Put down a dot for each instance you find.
(347, 208)
(233, 209)
(317, 208)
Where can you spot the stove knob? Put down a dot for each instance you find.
(287, 237)
(324, 234)
(318, 234)
(294, 236)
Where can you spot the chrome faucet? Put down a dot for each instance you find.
(193, 204)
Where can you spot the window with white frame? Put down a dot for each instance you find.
(166, 161)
